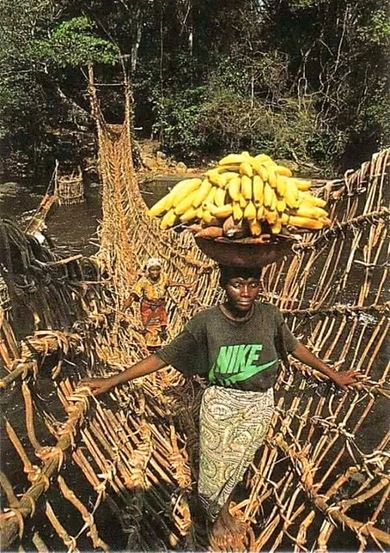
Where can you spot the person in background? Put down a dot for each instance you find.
(236, 346)
(150, 291)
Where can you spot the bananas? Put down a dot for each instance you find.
(234, 188)
(246, 169)
(201, 193)
(179, 193)
(244, 188)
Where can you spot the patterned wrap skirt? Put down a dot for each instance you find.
(154, 319)
(233, 425)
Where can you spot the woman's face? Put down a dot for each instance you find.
(154, 272)
(241, 293)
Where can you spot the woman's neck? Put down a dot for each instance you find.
(234, 315)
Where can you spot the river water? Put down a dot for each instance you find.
(73, 228)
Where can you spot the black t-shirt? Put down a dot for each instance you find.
(243, 355)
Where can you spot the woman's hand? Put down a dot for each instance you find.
(98, 385)
(344, 379)
(129, 302)
(148, 365)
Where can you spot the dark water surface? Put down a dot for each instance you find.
(72, 227)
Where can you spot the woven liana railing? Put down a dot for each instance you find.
(119, 472)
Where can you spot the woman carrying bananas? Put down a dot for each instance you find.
(236, 346)
(150, 291)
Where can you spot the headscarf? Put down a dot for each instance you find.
(153, 262)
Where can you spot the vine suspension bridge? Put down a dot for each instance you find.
(81, 473)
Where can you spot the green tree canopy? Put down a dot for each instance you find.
(305, 79)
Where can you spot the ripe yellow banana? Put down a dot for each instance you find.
(310, 211)
(185, 204)
(159, 208)
(271, 177)
(307, 197)
(183, 183)
(258, 188)
(234, 168)
(280, 206)
(169, 201)
(261, 171)
(284, 218)
(274, 201)
(250, 211)
(280, 186)
(270, 163)
(268, 195)
(232, 159)
(271, 217)
(222, 212)
(246, 187)
(255, 227)
(285, 171)
(220, 196)
(262, 157)
(243, 202)
(276, 227)
(168, 220)
(305, 222)
(229, 175)
(246, 169)
(201, 193)
(237, 212)
(215, 178)
(303, 184)
(225, 178)
(199, 213)
(209, 200)
(234, 189)
(260, 213)
(206, 216)
(189, 215)
(292, 195)
(178, 194)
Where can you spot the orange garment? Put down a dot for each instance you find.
(153, 312)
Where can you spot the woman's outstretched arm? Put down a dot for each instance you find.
(304, 355)
(149, 365)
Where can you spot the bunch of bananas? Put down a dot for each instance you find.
(245, 188)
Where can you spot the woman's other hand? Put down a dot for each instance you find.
(98, 385)
(344, 379)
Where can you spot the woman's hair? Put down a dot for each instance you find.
(228, 272)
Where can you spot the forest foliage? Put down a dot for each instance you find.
(304, 80)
